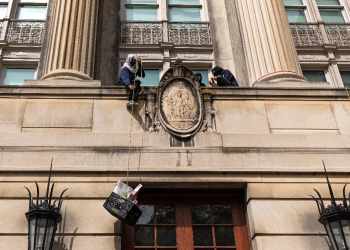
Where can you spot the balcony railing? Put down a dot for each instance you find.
(141, 33)
(306, 34)
(184, 33)
(20, 31)
(190, 33)
(313, 34)
(338, 34)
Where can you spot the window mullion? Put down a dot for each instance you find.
(11, 9)
(316, 11)
(212, 226)
(183, 226)
(204, 11)
(163, 10)
(346, 10)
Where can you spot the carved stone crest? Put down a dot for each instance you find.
(180, 102)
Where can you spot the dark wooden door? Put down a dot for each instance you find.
(188, 222)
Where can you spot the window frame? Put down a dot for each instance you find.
(340, 7)
(5, 3)
(325, 70)
(183, 200)
(149, 68)
(343, 69)
(17, 66)
(164, 6)
(17, 4)
(305, 7)
(200, 6)
(125, 5)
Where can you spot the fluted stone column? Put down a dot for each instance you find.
(268, 42)
(72, 40)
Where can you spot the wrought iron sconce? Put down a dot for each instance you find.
(43, 219)
(335, 218)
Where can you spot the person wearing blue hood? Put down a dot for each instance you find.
(223, 77)
(130, 70)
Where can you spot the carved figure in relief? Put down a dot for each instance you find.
(179, 106)
(157, 125)
(179, 102)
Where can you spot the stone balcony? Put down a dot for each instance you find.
(179, 33)
(22, 31)
(317, 34)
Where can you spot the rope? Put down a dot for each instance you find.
(131, 116)
(347, 92)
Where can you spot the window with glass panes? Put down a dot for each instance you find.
(151, 77)
(16, 76)
(295, 10)
(184, 10)
(345, 76)
(32, 9)
(331, 11)
(3, 9)
(141, 10)
(178, 10)
(315, 75)
(188, 221)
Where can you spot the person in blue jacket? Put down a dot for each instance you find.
(130, 70)
(223, 77)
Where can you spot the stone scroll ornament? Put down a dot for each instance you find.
(180, 102)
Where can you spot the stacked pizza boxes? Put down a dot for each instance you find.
(127, 192)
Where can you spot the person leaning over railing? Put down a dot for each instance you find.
(223, 78)
(127, 78)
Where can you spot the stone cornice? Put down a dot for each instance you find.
(221, 93)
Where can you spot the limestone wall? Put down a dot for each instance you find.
(269, 142)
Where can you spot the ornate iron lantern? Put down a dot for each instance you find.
(43, 219)
(335, 218)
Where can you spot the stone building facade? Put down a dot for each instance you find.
(259, 151)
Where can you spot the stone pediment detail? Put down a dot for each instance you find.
(179, 102)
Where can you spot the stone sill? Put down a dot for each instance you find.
(114, 92)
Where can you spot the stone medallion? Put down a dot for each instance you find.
(180, 103)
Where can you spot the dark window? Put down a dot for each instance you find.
(188, 221)
(315, 76)
(345, 76)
